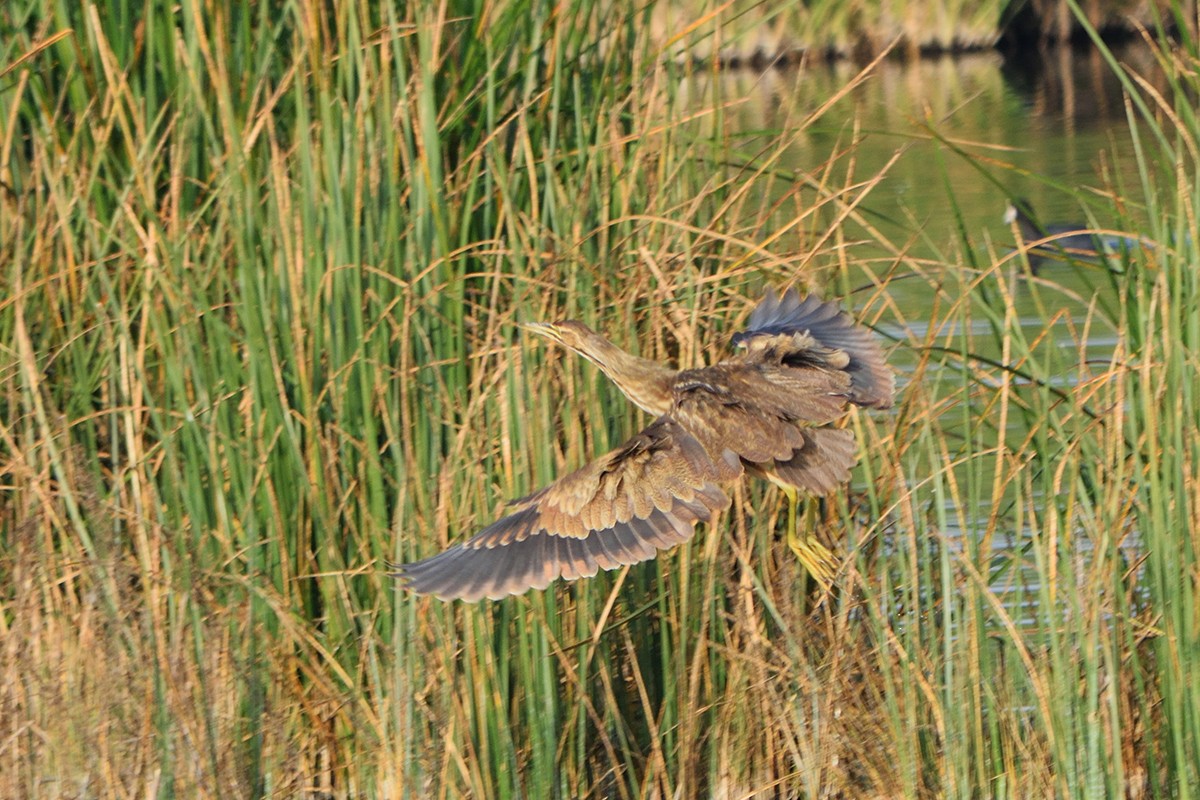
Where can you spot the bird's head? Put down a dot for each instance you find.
(569, 333)
(643, 381)
(1019, 211)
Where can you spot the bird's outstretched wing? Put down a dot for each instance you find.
(807, 332)
(622, 508)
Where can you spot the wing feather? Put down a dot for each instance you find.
(543, 564)
(657, 531)
(573, 559)
(632, 548)
(605, 551)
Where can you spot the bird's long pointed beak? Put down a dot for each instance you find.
(545, 329)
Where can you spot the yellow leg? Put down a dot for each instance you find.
(814, 556)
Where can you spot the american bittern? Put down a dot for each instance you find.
(768, 410)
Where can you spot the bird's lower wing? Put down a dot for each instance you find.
(622, 508)
(822, 464)
(774, 418)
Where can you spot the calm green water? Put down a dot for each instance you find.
(1051, 132)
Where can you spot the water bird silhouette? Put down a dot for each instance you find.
(1066, 240)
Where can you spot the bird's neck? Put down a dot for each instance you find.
(645, 382)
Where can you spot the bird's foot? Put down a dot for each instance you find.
(815, 557)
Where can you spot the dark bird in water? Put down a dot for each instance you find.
(769, 409)
(1064, 240)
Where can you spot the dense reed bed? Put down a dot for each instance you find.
(261, 273)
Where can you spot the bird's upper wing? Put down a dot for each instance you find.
(622, 508)
(757, 410)
(810, 332)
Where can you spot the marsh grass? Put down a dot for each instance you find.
(263, 269)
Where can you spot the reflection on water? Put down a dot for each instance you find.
(1054, 132)
(955, 138)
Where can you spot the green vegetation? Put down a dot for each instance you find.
(261, 269)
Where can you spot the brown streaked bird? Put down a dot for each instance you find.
(769, 410)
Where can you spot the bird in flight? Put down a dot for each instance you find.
(769, 410)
